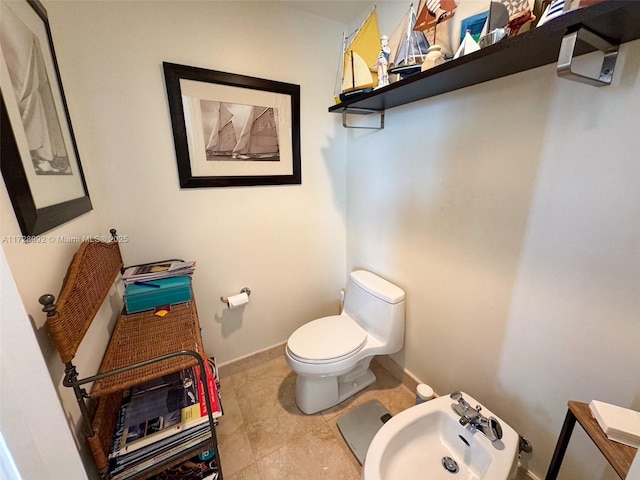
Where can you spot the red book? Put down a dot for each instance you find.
(213, 392)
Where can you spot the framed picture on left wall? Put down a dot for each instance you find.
(40, 162)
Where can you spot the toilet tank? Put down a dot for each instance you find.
(378, 306)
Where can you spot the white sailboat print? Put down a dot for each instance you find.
(240, 132)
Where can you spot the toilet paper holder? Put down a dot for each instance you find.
(246, 290)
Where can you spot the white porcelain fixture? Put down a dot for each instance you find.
(427, 441)
(331, 355)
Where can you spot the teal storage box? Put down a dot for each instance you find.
(142, 296)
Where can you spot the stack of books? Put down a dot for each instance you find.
(154, 285)
(156, 271)
(162, 418)
(618, 424)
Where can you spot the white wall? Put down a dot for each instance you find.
(509, 213)
(287, 243)
(39, 268)
(31, 421)
(120, 97)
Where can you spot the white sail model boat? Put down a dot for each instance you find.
(360, 56)
(408, 47)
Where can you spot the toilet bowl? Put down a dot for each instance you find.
(331, 355)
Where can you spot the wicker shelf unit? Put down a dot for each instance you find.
(142, 347)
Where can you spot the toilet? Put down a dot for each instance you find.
(331, 355)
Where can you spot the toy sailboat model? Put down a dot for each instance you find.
(408, 47)
(468, 45)
(433, 12)
(360, 55)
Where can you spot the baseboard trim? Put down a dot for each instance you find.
(249, 361)
(524, 474)
(403, 375)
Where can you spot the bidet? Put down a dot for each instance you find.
(428, 441)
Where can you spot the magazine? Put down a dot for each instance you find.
(155, 411)
(159, 455)
(126, 459)
(156, 271)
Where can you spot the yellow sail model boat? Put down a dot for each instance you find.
(360, 55)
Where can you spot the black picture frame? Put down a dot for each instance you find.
(220, 87)
(34, 219)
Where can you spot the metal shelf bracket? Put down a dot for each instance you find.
(567, 50)
(362, 111)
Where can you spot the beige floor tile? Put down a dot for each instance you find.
(273, 400)
(226, 388)
(256, 378)
(235, 451)
(263, 435)
(270, 414)
(314, 456)
(232, 418)
(249, 473)
(384, 379)
(267, 434)
(252, 361)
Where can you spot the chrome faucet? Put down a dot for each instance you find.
(489, 427)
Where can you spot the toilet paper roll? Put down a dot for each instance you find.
(236, 301)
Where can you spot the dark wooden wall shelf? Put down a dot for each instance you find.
(616, 21)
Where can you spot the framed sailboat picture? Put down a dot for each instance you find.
(233, 130)
(40, 162)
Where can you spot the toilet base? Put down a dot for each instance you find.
(314, 394)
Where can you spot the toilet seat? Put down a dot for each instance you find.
(327, 339)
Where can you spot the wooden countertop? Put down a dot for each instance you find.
(619, 455)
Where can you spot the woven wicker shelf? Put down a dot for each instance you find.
(143, 336)
(142, 347)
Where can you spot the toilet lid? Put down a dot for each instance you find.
(327, 338)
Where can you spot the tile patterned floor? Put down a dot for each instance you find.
(264, 436)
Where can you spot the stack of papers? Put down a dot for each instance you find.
(619, 424)
(156, 271)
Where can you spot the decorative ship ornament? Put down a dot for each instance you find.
(468, 45)
(431, 13)
(408, 46)
(360, 55)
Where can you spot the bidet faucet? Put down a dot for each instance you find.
(489, 427)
